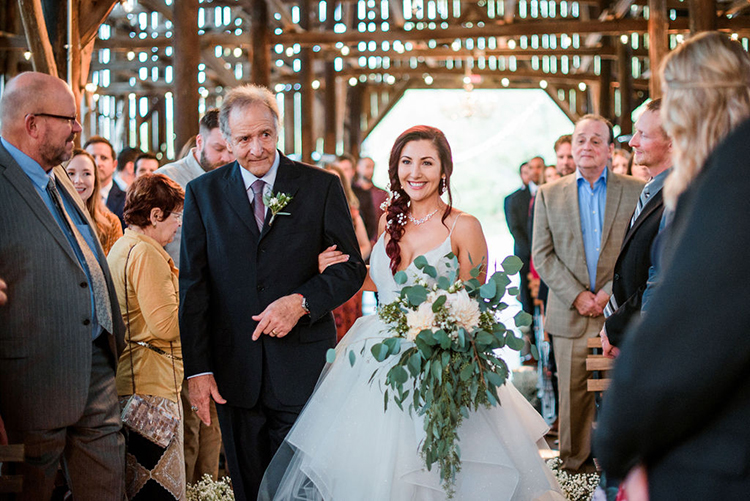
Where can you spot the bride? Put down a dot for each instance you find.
(345, 446)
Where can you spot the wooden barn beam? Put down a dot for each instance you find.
(306, 77)
(625, 78)
(37, 38)
(702, 15)
(658, 39)
(186, 58)
(329, 96)
(564, 106)
(394, 95)
(91, 15)
(260, 66)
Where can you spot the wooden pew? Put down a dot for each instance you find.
(596, 363)
(11, 454)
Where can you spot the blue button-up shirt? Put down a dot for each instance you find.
(39, 178)
(591, 205)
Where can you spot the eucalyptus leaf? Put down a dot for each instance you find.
(420, 262)
(466, 372)
(443, 338)
(379, 351)
(488, 290)
(416, 295)
(495, 379)
(393, 344)
(484, 338)
(514, 291)
(535, 352)
(443, 283)
(430, 271)
(415, 364)
(428, 337)
(330, 355)
(512, 265)
(440, 301)
(475, 272)
(513, 342)
(385, 401)
(400, 277)
(501, 279)
(522, 319)
(352, 358)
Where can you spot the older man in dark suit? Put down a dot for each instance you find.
(61, 328)
(255, 313)
(653, 149)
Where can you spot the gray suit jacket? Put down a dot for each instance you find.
(557, 247)
(45, 331)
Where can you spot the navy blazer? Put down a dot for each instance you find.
(631, 269)
(230, 271)
(517, 209)
(116, 203)
(680, 394)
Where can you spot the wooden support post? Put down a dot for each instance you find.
(356, 95)
(42, 58)
(605, 88)
(186, 60)
(658, 39)
(289, 131)
(329, 129)
(625, 77)
(306, 92)
(261, 64)
(702, 15)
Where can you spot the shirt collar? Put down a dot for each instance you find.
(580, 179)
(30, 166)
(269, 178)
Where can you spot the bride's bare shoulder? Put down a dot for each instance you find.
(464, 224)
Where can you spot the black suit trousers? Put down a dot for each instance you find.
(252, 437)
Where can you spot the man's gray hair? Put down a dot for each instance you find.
(243, 96)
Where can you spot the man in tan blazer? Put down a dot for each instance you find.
(579, 225)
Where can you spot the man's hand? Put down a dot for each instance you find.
(635, 484)
(331, 256)
(3, 292)
(201, 389)
(608, 350)
(280, 317)
(602, 298)
(587, 305)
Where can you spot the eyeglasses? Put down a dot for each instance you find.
(70, 120)
(177, 215)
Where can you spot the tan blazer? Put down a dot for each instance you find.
(557, 247)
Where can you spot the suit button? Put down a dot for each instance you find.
(260, 288)
(86, 322)
(83, 285)
(617, 276)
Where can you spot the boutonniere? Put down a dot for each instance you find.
(275, 203)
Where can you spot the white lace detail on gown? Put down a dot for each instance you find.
(344, 446)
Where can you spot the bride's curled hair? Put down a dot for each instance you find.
(706, 84)
(398, 208)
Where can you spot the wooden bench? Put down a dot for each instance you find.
(11, 454)
(596, 363)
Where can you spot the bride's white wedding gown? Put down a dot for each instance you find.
(345, 447)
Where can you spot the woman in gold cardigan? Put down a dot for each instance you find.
(151, 365)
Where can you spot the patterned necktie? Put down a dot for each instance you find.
(642, 200)
(98, 282)
(258, 208)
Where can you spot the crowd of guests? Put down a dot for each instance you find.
(91, 313)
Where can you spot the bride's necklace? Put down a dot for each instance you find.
(423, 220)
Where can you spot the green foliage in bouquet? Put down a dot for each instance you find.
(451, 368)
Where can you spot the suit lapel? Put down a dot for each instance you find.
(614, 193)
(21, 182)
(655, 203)
(236, 196)
(573, 211)
(286, 182)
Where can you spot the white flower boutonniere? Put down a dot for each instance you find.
(275, 203)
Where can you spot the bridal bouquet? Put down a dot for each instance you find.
(451, 368)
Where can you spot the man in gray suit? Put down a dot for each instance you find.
(61, 328)
(579, 223)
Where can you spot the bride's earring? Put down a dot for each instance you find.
(443, 184)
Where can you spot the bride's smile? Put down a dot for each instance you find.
(420, 171)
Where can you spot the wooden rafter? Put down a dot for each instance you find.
(37, 38)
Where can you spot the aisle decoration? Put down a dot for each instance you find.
(207, 489)
(449, 332)
(575, 486)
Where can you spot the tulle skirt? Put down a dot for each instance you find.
(344, 446)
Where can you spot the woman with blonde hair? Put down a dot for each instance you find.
(679, 394)
(81, 169)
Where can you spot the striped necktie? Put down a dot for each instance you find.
(96, 276)
(259, 210)
(642, 200)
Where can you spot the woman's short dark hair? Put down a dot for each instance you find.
(148, 192)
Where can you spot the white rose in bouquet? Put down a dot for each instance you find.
(463, 309)
(420, 319)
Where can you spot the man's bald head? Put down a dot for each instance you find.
(38, 115)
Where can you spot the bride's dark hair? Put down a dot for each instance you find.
(398, 208)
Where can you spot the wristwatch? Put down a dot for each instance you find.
(304, 304)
